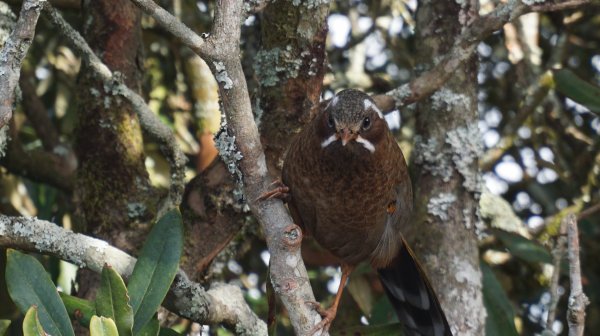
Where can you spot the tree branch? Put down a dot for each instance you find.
(149, 121)
(57, 170)
(557, 256)
(221, 304)
(221, 52)
(577, 299)
(463, 49)
(12, 55)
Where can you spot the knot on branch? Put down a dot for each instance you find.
(292, 237)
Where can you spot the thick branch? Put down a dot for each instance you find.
(577, 299)
(221, 304)
(288, 273)
(12, 55)
(149, 121)
(464, 46)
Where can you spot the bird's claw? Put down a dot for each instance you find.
(327, 315)
(280, 191)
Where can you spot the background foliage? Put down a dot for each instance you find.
(539, 108)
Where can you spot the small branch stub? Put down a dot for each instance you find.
(292, 237)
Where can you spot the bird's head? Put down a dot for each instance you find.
(352, 121)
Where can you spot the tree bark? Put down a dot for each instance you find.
(289, 67)
(113, 189)
(445, 174)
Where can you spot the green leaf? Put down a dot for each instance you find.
(103, 326)
(4, 324)
(156, 268)
(168, 332)
(500, 313)
(383, 312)
(79, 309)
(31, 323)
(112, 301)
(577, 89)
(28, 285)
(394, 329)
(523, 248)
(152, 328)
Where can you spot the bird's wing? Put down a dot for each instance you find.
(412, 296)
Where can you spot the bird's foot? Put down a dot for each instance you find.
(280, 191)
(327, 315)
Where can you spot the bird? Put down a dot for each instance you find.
(346, 184)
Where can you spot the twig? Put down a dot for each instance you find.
(463, 48)
(12, 55)
(557, 255)
(577, 299)
(63, 4)
(36, 113)
(221, 52)
(221, 304)
(589, 211)
(149, 121)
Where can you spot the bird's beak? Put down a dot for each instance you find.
(346, 136)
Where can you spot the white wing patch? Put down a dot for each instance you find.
(328, 141)
(368, 104)
(366, 143)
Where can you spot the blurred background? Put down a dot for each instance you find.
(539, 118)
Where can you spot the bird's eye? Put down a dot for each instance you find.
(366, 124)
(330, 121)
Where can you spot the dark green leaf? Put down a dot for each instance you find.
(168, 332)
(155, 268)
(577, 89)
(28, 285)
(394, 329)
(152, 328)
(523, 248)
(79, 309)
(112, 301)
(500, 314)
(103, 326)
(31, 323)
(383, 312)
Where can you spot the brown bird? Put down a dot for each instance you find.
(349, 188)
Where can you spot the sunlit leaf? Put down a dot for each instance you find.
(31, 323)
(4, 324)
(103, 326)
(29, 285)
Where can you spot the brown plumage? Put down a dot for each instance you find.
(350, 190)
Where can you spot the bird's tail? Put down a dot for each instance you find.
(412, 296)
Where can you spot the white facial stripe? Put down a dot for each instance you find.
(368, 104)
(328, 141)
(332, 102)
(366, 143)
